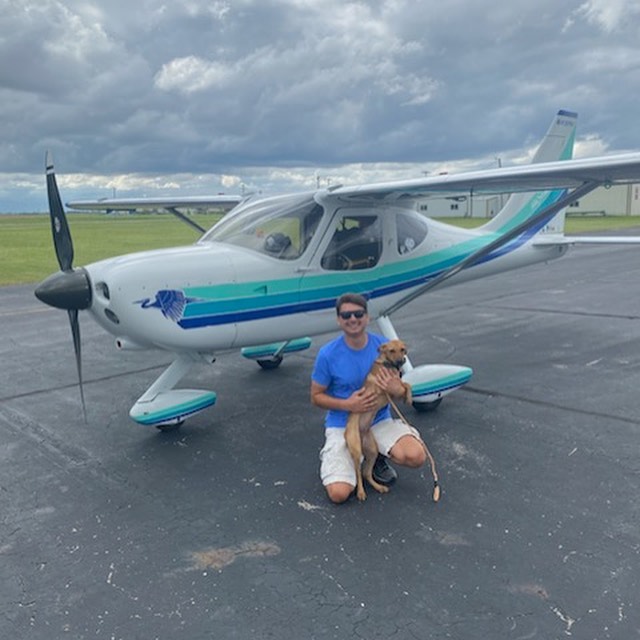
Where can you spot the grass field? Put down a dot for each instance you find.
(26, 245)
(27, 255)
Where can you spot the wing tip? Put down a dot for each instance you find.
(48, 161)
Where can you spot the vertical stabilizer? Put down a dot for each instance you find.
(557, 144)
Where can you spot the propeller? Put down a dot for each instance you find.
(69, 288)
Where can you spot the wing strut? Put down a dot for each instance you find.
(186, 219)
(470, 260)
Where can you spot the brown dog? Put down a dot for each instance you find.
(358, 430)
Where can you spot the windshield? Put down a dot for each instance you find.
(280, 227)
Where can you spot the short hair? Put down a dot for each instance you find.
(353, 298)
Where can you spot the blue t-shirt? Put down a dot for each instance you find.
(342, 370)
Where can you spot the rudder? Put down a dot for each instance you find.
(557, 144)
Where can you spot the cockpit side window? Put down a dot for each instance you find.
(411, 230)
(356, 244)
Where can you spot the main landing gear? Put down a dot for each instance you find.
(429, 382)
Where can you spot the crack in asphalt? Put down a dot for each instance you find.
(546, 403)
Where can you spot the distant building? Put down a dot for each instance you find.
(461, 206)
(620, 200)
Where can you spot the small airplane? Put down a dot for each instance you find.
(264, 279)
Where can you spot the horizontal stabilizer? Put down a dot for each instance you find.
(546, 241)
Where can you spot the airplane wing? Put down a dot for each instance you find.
(171, 205)
(224, 202)
(564, 174)
(575, 177)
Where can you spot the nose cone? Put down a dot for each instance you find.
(66, 290)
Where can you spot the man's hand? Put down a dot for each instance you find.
(390, 382)
(361, 401)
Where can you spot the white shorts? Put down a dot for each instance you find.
(336, 464)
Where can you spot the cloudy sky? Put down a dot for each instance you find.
(192, 97)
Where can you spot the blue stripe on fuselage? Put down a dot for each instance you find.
(327, 295)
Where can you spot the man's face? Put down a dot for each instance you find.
(352, 318)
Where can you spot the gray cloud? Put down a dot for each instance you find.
(268, 91)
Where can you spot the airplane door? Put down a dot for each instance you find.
(269, 276)
(349, 257)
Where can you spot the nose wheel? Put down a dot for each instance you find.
(168, 428)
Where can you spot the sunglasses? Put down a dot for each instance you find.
(345, 315)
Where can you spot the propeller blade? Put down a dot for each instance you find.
(75, 332)
(67, 289)
(59, 226)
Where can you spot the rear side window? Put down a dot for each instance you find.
(411, 230)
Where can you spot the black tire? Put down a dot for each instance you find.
(168, 428)
(426, 407)
(273, 363)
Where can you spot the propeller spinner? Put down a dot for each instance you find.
(68, 289)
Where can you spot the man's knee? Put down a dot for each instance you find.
(408, 452)
(416, 458)
(339, 492)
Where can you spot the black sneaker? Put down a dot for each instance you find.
(383, 472)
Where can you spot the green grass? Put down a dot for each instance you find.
(26, 246)
(27, 255)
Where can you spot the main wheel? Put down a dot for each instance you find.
(272, 363)
(426, 407)
(172, 426)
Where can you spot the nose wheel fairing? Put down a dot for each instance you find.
(171, 407)
(162, 405)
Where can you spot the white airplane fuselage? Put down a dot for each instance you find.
(214, 295)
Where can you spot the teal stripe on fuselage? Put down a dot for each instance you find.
(271, 295)
(216, 299)
(536, 203)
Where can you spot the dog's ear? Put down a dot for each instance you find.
(382, 348)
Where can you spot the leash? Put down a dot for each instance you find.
(432, 462)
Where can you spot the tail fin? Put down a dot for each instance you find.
(557, 144)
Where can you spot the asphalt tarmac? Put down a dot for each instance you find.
(221, 529)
